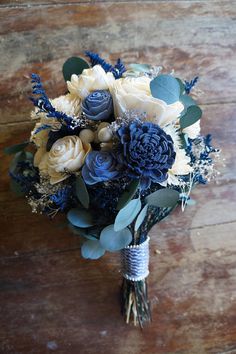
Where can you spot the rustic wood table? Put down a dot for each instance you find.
(51, 300)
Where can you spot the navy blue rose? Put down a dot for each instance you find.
(147, 152)
(98, 105)
(100, 166)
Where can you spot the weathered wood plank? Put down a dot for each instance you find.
(59, 299)
(8, 3)
(198, 38)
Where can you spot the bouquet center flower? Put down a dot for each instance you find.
(147, 152)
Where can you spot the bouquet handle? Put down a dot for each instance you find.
(134, 291)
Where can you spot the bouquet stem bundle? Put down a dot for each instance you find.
(135, 302)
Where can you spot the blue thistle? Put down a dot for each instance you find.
(116, 70)
(189, 85)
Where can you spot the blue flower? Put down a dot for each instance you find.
(147, 152)
(100, 166)
(62, 198)
(98, 105)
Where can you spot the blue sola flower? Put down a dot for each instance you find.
(98, 105)
(147, 152)
(100, 166)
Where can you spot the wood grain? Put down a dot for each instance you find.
(50, 298)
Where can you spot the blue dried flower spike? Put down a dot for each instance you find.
(116, 70)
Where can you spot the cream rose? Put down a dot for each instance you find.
(66, 154)
(181, 165)
(133, 93)
(90, 80)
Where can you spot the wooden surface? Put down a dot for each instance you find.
(51, 300)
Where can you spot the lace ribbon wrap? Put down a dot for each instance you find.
(135, 261)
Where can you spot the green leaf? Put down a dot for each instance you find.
(92, 249)
(113, 240)
(166, 88)
(140, 217)
(74, 65)
(80, 218)
(127, 214)
(192, 115)
(83, 232)
(163, 198)
(187, 102)
(82, 192)
(15, 148)
(142, 68)
(128, 194)
(181, 85)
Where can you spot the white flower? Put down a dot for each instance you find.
(66, 154)
(90, 80)
(193, 130)
(67, 104)
(173, 132)
(181, 165)
(133, 93)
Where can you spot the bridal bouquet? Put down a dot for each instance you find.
(117, 153)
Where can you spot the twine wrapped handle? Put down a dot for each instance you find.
(135, 261)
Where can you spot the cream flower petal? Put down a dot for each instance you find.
(135, 94)
(91, 79)
(66, 154)
(181, 165)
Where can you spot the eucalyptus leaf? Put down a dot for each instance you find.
(82, 192)
(92, 249)
(113, 240)
(141, 218)
(142, 68)
(80, 218)
(127, 214)
(187, 102)
(83, 232)
(192, 115)
(74, 65)
(166, 88)
(163, 198)
(128, 194)
(181, 85)
(15, 148)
